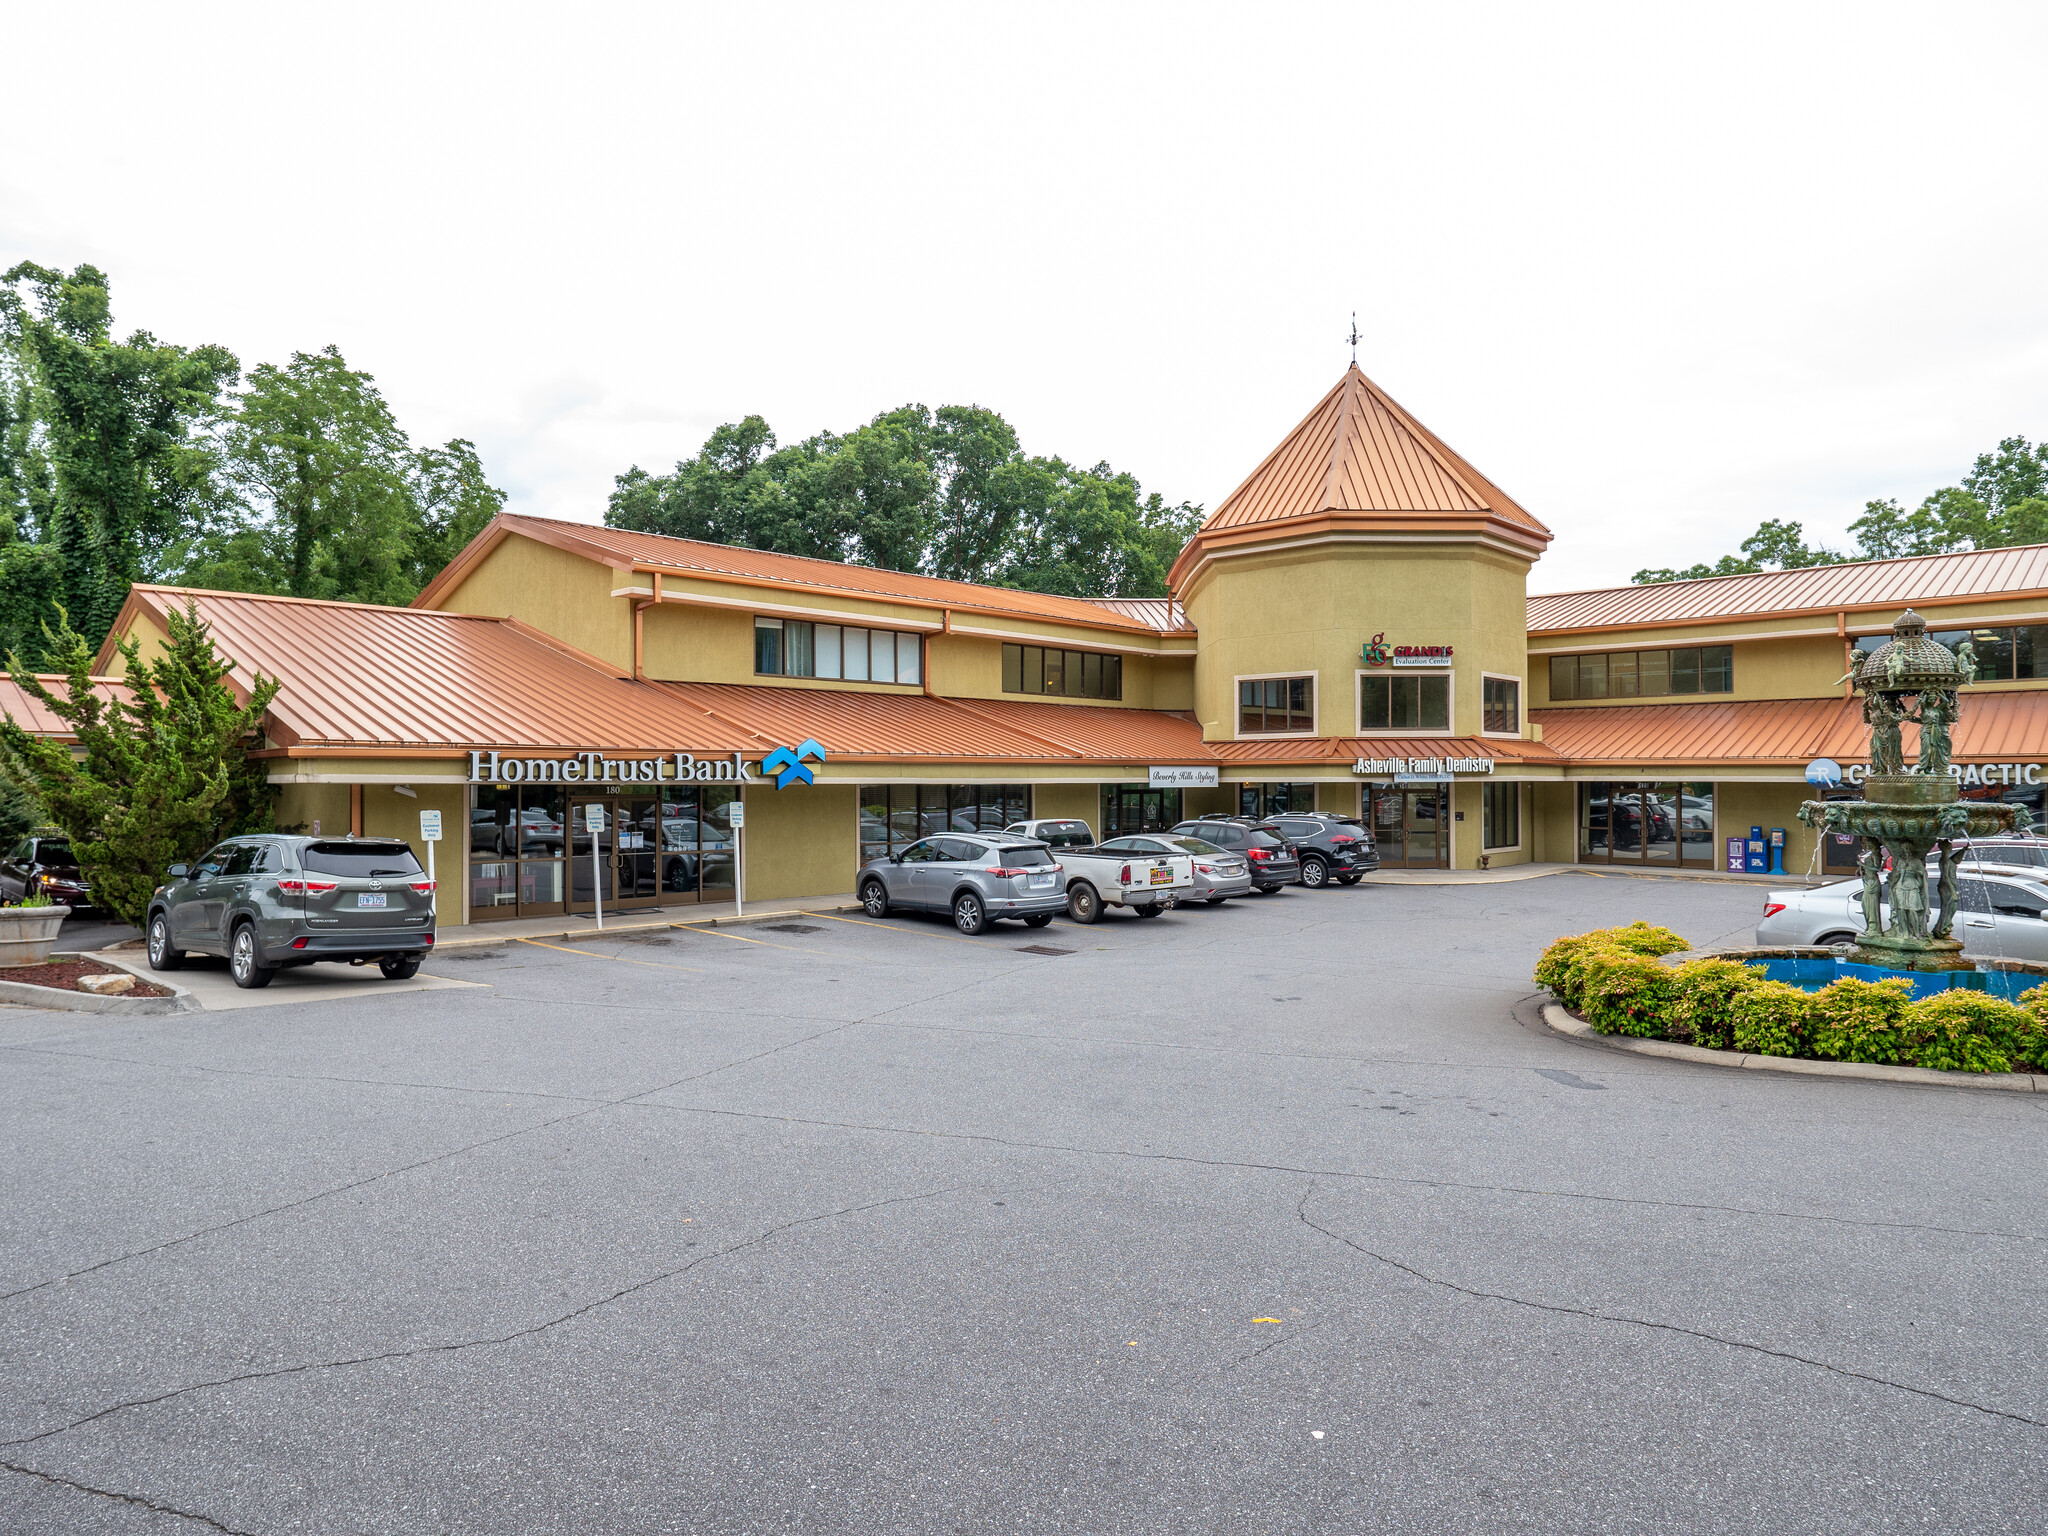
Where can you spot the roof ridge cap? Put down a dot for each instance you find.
(1793, 570)
(308, 602)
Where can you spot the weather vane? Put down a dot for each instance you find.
(1354, 338)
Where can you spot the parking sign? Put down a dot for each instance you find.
(430, 826)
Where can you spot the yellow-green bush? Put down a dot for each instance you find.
(1626, 993)
(1567, 965)
(1773, 1018)
(1703, 1000)
(1966, 1031)
(1862, 1020)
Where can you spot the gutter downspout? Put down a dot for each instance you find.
(1848, 654)
(924, 646)
(640, 608)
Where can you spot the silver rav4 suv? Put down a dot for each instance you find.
(271, 900)
(976, 878)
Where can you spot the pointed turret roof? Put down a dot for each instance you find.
(1360, 463)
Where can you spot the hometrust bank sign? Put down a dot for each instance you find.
(596, 768)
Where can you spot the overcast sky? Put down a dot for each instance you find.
(1661, 272)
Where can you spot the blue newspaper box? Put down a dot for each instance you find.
(1759, 859)
(1777, 850)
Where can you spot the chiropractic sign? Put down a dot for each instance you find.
(596, 768)
(1973, 775)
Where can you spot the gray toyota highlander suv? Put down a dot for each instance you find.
(977, 878)
(270, 900)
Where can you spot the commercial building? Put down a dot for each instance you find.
(1350, 630)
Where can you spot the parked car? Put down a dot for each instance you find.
(1054, 832)
(1266, 851)
(977, 877)
(1116, 874)
(1330, 847)
(275, 900)
(1219, 874)
(2025, 852)
(44, 865)
(1999, 913)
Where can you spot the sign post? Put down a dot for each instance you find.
(430, 834)
(593, 823)
(738, 814)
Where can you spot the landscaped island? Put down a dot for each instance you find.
(1616, 981)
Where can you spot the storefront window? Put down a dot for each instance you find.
(1396, 702)
(893, 816)
(1500, 815)
(1671, 823)
(1131, 808)
(1275, 799)
(515, 849)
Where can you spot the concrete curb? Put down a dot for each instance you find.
(181, 999)
(591, 932)
(1559, 1022)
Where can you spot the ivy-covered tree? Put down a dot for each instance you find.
(162, 770)
(110, 437)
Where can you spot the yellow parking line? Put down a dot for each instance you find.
(660, 965)
(794, 949)
(957, 938)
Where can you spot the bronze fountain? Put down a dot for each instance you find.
(1910, 810)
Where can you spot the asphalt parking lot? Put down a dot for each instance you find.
(1280, 1217)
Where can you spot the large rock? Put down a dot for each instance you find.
(107, 986)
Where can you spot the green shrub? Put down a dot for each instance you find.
(1703, 1000)
(1564, 968)
(39, 899)
(1773, 1018)
(1627, 993)
(1856, 1020)
(1963, 1030)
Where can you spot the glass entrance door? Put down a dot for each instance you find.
(1651, 825)
(625, 868)
(1410, 826)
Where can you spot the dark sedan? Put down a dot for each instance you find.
(44, 865)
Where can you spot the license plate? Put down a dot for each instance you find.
(370, 899)
(1162, 877)
(1038, 880)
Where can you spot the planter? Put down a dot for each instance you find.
(28, 934)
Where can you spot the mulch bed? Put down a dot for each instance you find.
(63, 976)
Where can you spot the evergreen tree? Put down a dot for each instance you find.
(162, 770)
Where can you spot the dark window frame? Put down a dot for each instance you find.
(1289, 699)
(1688, 670)
(1081, 674)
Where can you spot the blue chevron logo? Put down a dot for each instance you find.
(788, 765)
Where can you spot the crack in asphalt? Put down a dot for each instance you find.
(136, 1499)
(458, 1345)
(1342, 1173)
(1590, 1314)
(413, 1167)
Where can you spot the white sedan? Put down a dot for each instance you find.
(2001, 913)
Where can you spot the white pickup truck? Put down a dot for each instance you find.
(1148, 884)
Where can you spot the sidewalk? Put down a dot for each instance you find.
(646, 919)
(1538, 871)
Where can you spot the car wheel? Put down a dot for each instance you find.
(874, 899)
(242, 959)
(1830, 940)
(161, 956)
(1314, 873)
(1038, 921)
(1084, 905)
(969, 916)
(400, 967)
(1349, 879)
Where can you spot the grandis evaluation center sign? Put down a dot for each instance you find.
(1379, 654)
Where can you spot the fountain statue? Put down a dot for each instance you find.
(1910, 811)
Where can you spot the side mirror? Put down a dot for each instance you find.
(178, 872)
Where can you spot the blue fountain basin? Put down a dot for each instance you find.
(1811, 973)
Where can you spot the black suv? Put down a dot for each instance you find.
(1266, 851)
(270, 900)
(44, 865)
(1331, 847)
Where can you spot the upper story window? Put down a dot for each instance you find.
(1404, 701)
(1643, 674)
(799, 648)
(1500, 705)
(1070, 674)
(1268, 706)
(2003, 652)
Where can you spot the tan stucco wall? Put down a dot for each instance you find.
(1313, 610)
(1080, 802)
(566, 595)
(1739, 806)
(1551, 817)
(1808, 668)
(802, 841)
(300, 805)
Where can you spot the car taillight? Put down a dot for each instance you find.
(1124, 875)
(1258, 855)
(298, 943)
(430, 938)
(424, 887)
(315, 887)
(1342, 838)
(1207, 869)
(1002, 873)
(1773, 908)
(294, 887)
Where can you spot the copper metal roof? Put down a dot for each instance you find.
(1974, 573)
(1350, 748)
(360, 675)
(1994, 727)
(29, 712)
(1360, 463)
(1160, 613)
(628, 551)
